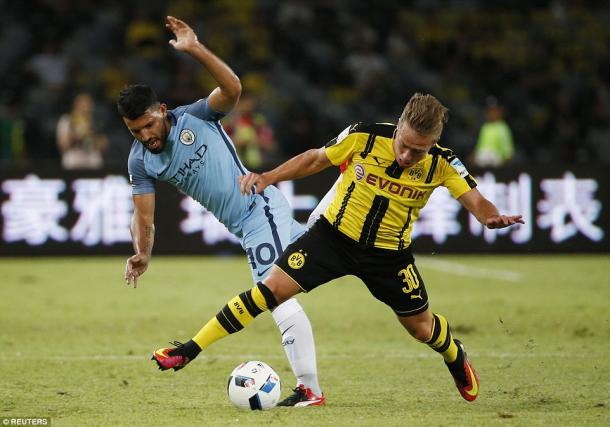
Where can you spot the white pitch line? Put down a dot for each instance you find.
(427, 355)
(470, 271)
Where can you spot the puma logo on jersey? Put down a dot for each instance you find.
(379, 162)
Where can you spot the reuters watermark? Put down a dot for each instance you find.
(25, 421)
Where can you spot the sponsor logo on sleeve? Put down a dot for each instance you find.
(459, 167)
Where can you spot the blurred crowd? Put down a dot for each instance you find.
(309, 68)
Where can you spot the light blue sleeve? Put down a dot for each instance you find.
(202, 110)
(141, 183)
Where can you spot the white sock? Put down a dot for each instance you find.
(297, 340)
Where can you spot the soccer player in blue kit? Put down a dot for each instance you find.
(188, 148)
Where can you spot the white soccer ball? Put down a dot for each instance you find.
(254, 385)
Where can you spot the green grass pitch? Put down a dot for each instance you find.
(76, 341)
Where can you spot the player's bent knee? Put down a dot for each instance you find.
(418, 326)
(281, 285)
(420, 334)
(417, 332)
(270, 299)
(281, 295)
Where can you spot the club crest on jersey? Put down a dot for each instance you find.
(359, 171)
(416, 173)
(187, 137)
(296, 260)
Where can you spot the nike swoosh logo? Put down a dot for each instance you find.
(379, 162)
(474, 385)
(286, 330)
(260, 273)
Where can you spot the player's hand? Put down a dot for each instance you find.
(503, 221)
(135, 267)
(186, 38)
(253, 183)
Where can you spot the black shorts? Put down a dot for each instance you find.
(324, 253)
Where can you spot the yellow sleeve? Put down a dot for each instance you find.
(456, 178)
(342, 147)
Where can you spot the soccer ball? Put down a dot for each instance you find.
(254, 385)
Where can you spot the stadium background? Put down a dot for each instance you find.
(314, 67)
(76, 342)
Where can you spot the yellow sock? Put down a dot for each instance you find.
(211, 332)
(237, 314)
(441, 339)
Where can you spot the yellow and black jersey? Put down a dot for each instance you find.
(378, 201)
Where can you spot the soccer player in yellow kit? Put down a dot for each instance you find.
(365, 231)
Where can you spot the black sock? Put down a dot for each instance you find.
(457, 367)
(190, 349)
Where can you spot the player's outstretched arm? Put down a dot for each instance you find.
(143, 236)
(486, 212)
(226, 95)
(305, 164)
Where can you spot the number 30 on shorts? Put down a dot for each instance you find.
(409, 277)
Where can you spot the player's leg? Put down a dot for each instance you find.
(298, 343)
(278, 287)
(299, 346)
(434, 330)
(395, 280)
(242, 309)
(312, 260)
(264, 243)
(267, 230)
(233, 317)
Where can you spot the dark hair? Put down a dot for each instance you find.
(134, 100)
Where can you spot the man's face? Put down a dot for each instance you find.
(411, 147)
(150, 128)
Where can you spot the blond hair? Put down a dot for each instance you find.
(425, 115)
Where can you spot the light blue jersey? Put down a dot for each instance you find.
(200, 160)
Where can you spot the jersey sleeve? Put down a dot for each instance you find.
(201, 109)
(140, 182)
(456, 177)
(341, 148)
